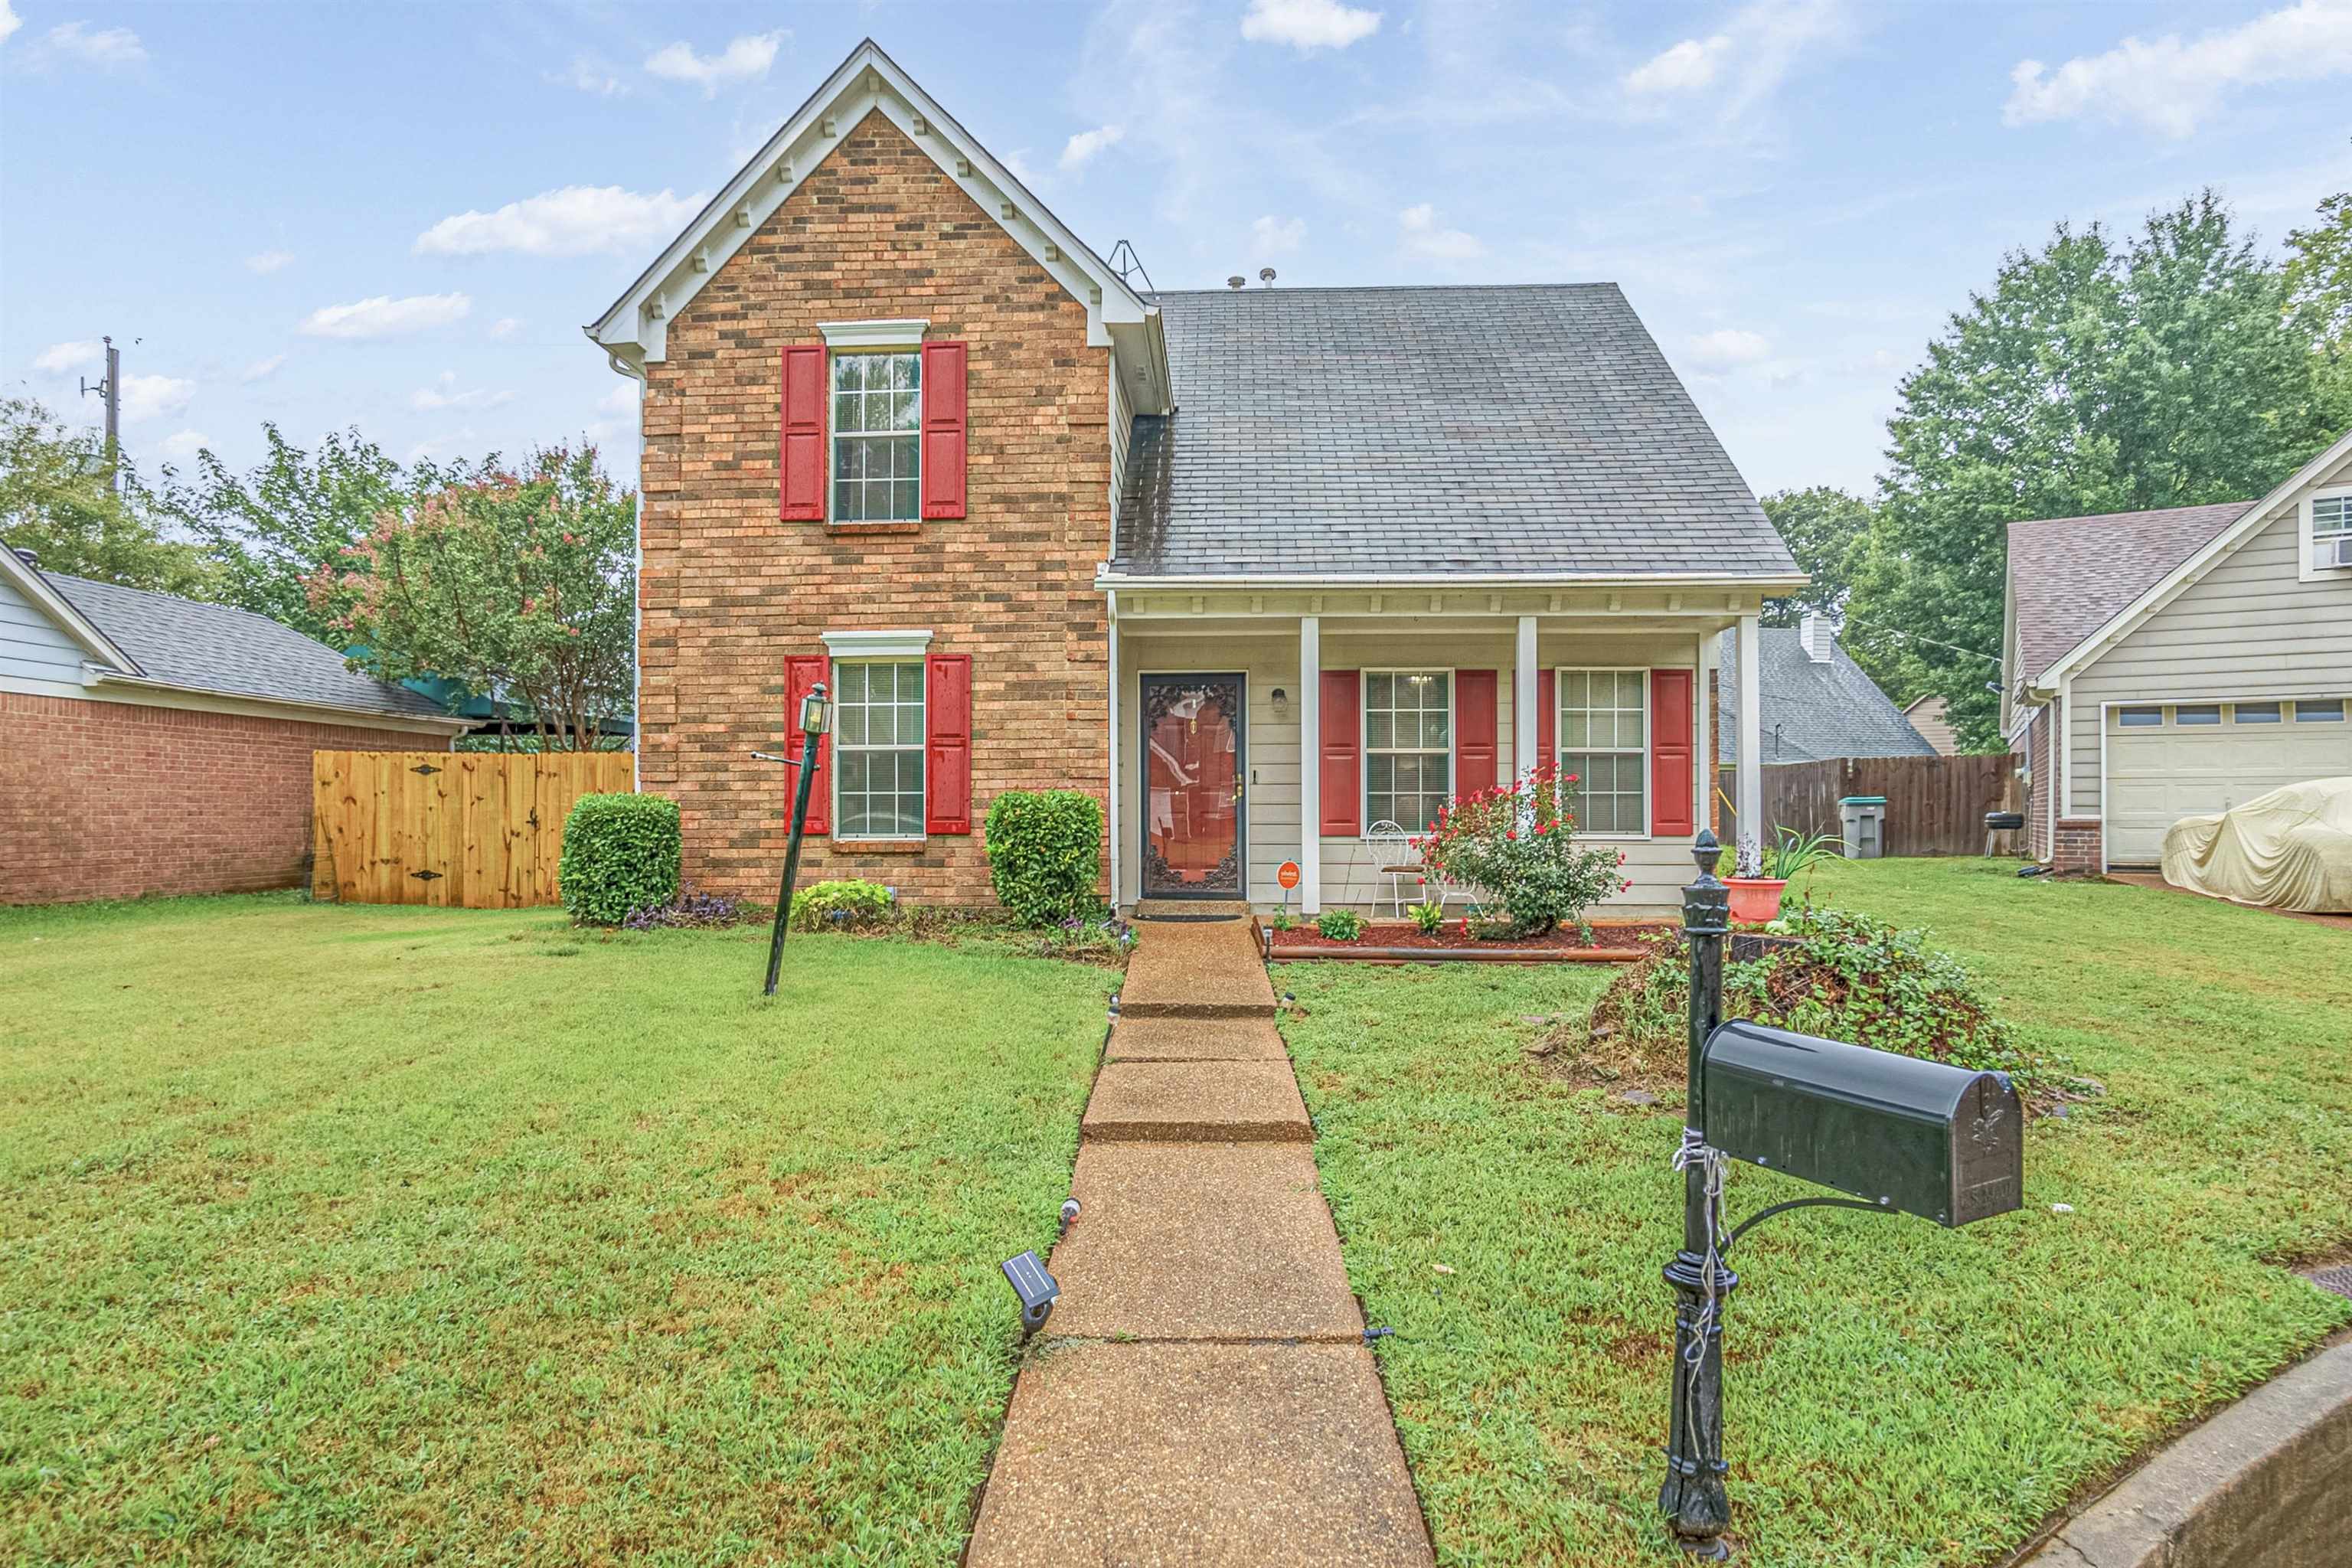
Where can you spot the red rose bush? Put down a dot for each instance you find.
(1515, 844)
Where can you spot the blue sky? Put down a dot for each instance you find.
(397, 217)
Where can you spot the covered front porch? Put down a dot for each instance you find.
(1256, 724)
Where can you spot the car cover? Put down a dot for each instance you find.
(2289, 849)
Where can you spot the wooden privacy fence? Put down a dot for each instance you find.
(1934, 805)
(477, 830)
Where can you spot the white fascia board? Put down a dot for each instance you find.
(28, 581)
(635, 329)
(1106, 579)
(111, 686)
(904, 333)
(875, 643)
(2125, 621)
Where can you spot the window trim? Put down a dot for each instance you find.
(2180, 723)
(2306, 530)
(1364, 747)
(2124, 709)
(833, 433)
(1559, 747)
(2238, 713)
(922, 748)
(2321, 717)
(898, 333)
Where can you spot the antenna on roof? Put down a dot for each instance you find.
(1266, 276)
(1129, 267)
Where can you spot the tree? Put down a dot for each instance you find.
(2089, 379)
(56, 499)
(2320, 289)
(520, 587)
(1824, 528)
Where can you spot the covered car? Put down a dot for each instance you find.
(2289, 849)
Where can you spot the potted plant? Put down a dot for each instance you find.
(1761, 875)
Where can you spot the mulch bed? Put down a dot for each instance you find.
(1451, 937)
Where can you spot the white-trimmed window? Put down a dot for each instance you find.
(2194, 714)
(2255, 713)
(2140, 718)
(877, 766)
(2327, 531)
(878, 414)
(2325, 710)
(1408, 746)
(1604, 741)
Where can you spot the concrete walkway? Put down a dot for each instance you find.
(1204, 1396)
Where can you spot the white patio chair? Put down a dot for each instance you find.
(1393, 856)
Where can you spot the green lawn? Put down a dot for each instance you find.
(1897, 1393)
(362, 1236)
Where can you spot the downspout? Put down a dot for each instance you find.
(1112, 660)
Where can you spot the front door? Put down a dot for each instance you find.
(1193, 772)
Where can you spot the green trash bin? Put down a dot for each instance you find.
(1863, 818)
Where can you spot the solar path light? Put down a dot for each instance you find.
(816, 718)
(1037, 1289)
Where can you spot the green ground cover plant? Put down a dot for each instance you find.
(1898, 1395)
(350, 1235)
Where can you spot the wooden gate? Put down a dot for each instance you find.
(1934, 805)
(477, 830)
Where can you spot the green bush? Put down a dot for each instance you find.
(1429, 917)
(1045, 851)
(850, 905)
(620, 854)
(1340, 925)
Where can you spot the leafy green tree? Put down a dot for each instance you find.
(520, 585)
(2319, 289)
(1824, 529)
(56, 501)
(2091, 378)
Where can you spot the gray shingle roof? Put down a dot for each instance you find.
(212, 647)
(1812, 712)
(2071, 575)
(1517, 428)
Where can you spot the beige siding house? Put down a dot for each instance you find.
(2186, 660)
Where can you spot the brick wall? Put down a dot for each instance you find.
(2078, 845)
(728, 591)
(112, 800)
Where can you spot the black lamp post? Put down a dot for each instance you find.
(816, 718)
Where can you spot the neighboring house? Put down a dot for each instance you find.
(1927, 716)
(1817, 703)
(2159, 664)
(156, 744)
(1261, 569)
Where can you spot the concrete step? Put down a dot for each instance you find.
(1196, 1102)
(1150, 1039)
(1191, 910)
(1204, 1454)
(1201, 1241)
(1196, 972)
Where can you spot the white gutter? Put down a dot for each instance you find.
(1105, 580)
(1112, 653)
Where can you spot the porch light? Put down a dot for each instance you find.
(816, 712)
(1281, 704)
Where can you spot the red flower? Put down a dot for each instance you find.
(1510, 833)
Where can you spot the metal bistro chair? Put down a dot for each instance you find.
(1396, 859)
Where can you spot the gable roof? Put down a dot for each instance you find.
(195, 647)
(2068, 576)
(1812, 712)
(634, 328)
(1524, 429)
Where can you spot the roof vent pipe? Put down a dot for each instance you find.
(1818, 636)
(1266, 276)
(1235, 281)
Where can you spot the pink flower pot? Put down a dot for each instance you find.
(1755, 899)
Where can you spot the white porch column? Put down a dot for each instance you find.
(1523, 702)
(1752, 827)
(1705, 722)
(1310, 764)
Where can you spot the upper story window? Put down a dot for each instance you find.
(1604, 742)
(1408, 746)
(2327, 532)
(877, 412)
(878, 749)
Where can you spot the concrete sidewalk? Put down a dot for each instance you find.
(1204, 1396)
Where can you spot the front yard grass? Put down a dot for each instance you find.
(1897, 1394)
(356, 1235)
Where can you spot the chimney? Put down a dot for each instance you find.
(1818, 636)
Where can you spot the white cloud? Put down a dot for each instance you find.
(1754, 51)
(107, 47)
(148, 397)
(505, 327)
(1308, 25)
(622, 399)
(577, 220)
(183, 447)
(1726, 349)
(268, 261)
(260, 369)
(383, 317)
(746, 59)
(9, 20)
(1017, 162)
(1086, 143)
(445, 392)
(59, 358)
(1272, 235)
(592, 75)
(2170, 86)
(1423, 238)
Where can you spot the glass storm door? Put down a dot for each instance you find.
(1192, 787)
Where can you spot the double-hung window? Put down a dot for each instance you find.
(877, 412)
(1604, 742)
(2331, 531)
(878, 749)
(1408, 746)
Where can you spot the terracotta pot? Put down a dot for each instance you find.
(1755, 899)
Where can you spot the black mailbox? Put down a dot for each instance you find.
(1923, 1137)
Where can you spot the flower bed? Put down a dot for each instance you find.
(1394, 938)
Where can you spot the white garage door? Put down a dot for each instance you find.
(2168, 761)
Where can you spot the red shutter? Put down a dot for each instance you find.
(1474, 702)
(802, 671)
(943, 429)
(947, 744)
(1672, 781)
(1342, 761)
(800, 442)
(1547, 716)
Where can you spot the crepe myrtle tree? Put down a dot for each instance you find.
(522, 585)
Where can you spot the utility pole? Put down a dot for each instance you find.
(110, 389)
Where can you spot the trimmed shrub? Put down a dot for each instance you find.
(1340, 925)
(1044, 852)
(620, 855)
(847, 905)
